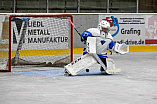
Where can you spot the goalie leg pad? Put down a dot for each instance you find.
(111, 69)
(88, 60)
(80, 64)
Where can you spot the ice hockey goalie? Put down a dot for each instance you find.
(97, 41)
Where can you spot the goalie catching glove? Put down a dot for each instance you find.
(120, 48)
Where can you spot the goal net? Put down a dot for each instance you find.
(40, 40)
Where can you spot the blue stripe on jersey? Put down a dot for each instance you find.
(102, 56)
(86, 34)
(111, 45)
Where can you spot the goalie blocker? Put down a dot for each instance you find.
(87, 60)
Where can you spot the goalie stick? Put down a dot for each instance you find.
(82, 39)
(107, 71)
(74, 27)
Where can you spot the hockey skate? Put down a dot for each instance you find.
(66, 73)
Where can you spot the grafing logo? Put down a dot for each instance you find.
(18, 23)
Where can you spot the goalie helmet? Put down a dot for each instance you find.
(104, 24)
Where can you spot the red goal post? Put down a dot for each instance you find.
(43, 38)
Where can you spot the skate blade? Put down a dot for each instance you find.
(67, 74)
(108, 71)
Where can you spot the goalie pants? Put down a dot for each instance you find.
(105, 63)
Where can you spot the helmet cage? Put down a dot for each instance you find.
(104, 24)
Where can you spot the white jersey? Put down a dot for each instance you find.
(102, 41)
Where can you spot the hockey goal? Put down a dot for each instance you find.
(38, 40)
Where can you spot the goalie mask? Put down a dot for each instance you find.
(104, 24)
